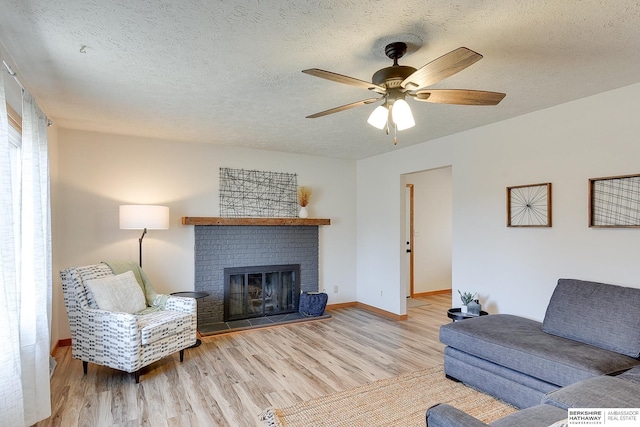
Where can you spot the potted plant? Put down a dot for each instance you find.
(466, 298)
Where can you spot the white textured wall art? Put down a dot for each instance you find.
(252, 193)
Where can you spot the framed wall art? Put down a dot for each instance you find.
(253, 193)
(614, 202)
(529, 205)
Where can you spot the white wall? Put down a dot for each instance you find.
(98, 172)
(432, 229)
(514, 270)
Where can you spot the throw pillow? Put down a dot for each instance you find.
(120, 293)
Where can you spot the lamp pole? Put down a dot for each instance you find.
(140, 241)
(143, 217)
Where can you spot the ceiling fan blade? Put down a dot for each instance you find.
(441, 68)
(343, 79)
(343, 107)
(459, 96)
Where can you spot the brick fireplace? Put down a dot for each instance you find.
(229, 243)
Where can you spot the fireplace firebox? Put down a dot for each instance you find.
(257, 291)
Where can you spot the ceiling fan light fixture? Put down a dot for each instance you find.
(396, 82)
(401, 115)
(378, 118)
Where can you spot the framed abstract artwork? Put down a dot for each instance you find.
(529, 205)
(614, 202)
(253, 193)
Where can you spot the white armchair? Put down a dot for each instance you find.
(120, 340)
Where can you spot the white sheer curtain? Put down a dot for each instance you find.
(25, 279)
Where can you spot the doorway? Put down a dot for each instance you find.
(427, 246)
(409, 232)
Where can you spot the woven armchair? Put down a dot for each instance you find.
(123, 341)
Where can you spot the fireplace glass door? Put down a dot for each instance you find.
(261, 291)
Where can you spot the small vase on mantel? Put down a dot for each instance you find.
(304, 195)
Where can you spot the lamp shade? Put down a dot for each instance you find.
(138, 217)
(378, 117)
(401, 114)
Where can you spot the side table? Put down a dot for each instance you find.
(196, 295)
(456, 314)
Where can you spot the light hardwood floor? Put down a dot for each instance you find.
(230, 379)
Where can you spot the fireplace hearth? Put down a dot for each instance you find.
(256, 291)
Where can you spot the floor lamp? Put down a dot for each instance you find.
(144, 217)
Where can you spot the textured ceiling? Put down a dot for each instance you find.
(229, 72)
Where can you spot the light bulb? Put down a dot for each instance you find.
(378, 117)
(401, 115)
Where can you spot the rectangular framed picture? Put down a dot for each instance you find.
(614, 202)
(529, 205)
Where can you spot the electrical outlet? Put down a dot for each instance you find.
(335, 289)
(380, 293)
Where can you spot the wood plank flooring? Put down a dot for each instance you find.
(230, 379)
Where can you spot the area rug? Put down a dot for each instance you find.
(399, 401)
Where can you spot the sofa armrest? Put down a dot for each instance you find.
(92, 322)
(96, 319)
(443, 415)
(597, 392)
(186, 305)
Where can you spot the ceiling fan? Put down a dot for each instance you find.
(397, 82)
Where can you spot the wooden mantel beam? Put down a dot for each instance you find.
(212, 220)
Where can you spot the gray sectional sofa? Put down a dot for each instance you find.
(590, 334)
(621, 391)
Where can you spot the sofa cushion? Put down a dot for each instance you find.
(598, 392)
(120, 293)
(162, 324)
(603, 315)
(632, 374)
(535, 416)
(79, 275)
(520, 344)
(444, 415)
